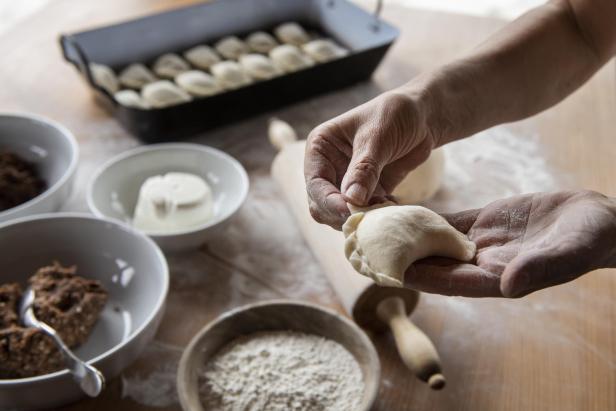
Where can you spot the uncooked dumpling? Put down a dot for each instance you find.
(230, 74)
(289, 58)
(198, 83)
(231, 47)
(130, 98)
(136, 76)
(163, 94)
(170, 65)
(259, 67)
(261, 42)
(324, 50)
(104, 77)
(291, 33)
(423, 182)
(382, 243)
(202, 56)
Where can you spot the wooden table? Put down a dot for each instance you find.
(555, 349)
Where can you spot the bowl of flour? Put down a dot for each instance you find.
(279, 356)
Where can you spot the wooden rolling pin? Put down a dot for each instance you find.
(372, 307)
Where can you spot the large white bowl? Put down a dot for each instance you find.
(114, 189)
(52, 148)
(130, 266)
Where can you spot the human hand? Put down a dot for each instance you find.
(525, 243)
(360, 156)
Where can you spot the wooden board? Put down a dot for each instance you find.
(555, 349)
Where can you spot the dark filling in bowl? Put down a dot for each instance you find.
(67, 302)
(19, 181)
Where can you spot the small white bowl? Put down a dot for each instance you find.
(130, 266)
(54, 151)
(114, 189)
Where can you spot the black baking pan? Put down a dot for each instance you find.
(144, 39)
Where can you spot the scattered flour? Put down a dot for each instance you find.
(282, 371)
(494, 164)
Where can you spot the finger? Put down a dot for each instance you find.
(450, 277)
(321, 171)
(326, 204)
(362, 176)
(463, 220)
(542, 268)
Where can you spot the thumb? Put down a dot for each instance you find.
(363, 173)
(539, 269)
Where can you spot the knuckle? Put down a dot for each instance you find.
(367, 168)
(315, 212)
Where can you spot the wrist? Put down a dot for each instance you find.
(436, 106)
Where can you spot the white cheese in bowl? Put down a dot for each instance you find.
(173, 202)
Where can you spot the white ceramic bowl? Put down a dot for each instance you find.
(130, 266)
(114, 189)
(54, 151)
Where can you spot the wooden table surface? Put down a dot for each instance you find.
(555, 349)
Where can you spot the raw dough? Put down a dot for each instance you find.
(292, 33)
(382, 243)
(170, 65)
(130, 98)
(164, 93)
(231, 47)
(261, 42)
(289, 58)
(423, 182)
(259, 67)
(202, 56)
(103, 76)
(198, 83)
(230, 74)
(136, 76)
(324, 50)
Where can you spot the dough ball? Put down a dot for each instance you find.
(136, 76)
(164, 93)
(231, 47)
(291, 33)
(230, 74)
(170, 65)
(104, 77)
(382, 243)
(289, 58)
(324, 50)
(259, 67)
(423, 182)
(130, 98)
(198, 83)
(261, 42)
(202, 56)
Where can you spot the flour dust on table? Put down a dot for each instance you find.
(491, 165)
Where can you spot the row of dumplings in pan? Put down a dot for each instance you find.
(204, 71)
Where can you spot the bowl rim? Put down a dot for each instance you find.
(66, 176)
(182, 372)
(237, 166)
(156, 308)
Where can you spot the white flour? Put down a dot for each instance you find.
(282, 371)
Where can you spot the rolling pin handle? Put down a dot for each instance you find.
(415, 348)
(280, 133)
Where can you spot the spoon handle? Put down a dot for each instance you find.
(89, 378)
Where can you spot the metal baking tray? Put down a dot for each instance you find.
(142, 40)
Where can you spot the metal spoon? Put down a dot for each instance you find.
(89, 378)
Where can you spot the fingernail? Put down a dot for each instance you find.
(357, 193)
